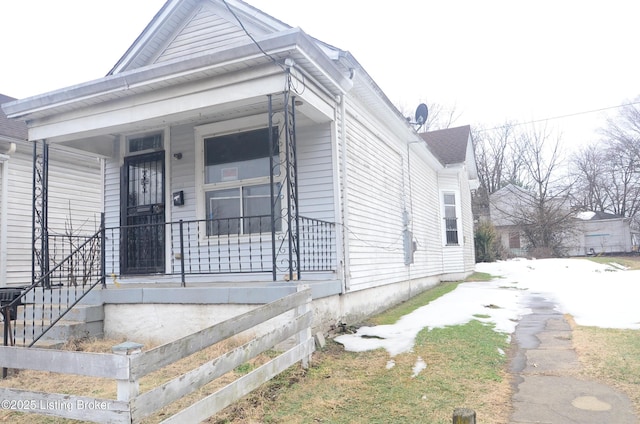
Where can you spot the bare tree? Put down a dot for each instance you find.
(538, 207)
(588, 169)
(440, 117)
(608, 174)
(624, 128)
(499, 156)
(547, 219)
(622, 183)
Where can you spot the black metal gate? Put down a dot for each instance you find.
(143, 214)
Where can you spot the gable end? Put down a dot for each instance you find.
(205, 32)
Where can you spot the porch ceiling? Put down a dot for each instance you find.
(99, 141)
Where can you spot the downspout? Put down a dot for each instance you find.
(345, 196)
(4, 210)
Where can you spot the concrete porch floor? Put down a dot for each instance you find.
(256, 292)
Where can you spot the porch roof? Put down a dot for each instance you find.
(292, 43)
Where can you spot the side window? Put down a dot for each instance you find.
(237, 190)
(450, 219)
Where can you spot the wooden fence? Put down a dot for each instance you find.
(131, 364)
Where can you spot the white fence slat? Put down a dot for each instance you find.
(224, 397)
(66, 406)
(149, 402)
(131, 368)
(65, 362)
(169, 353)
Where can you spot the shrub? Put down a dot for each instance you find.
(487, 243)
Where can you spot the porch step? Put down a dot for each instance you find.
(80, 322)
(81, 313)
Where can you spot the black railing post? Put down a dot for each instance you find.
(182, 278)
(295, 185)
(6, 313)
(103, 251)
(39, 224)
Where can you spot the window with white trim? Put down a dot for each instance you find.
(236, 186)
(450, 218)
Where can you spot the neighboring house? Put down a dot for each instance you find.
(72, 212)
(454, 149)
(592, 232)
(601, 232)
(504, 204)
(236, 165)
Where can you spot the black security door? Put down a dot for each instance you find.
(143, 217)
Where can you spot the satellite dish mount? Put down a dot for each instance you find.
(421, 115)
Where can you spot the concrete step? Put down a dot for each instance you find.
(42, 343)
(82, 313)
(81, 321)
(63, 330)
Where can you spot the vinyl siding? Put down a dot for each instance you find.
(183, 171)
(315, 173)
(375, 171)
(204, 33)
(112, 209)
(425, 222)
(385, 177)
(74, 204)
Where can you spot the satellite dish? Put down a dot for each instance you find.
(421, 114)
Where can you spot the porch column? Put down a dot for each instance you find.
(286, 253)
(40, 213)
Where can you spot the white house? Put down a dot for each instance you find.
(590, 232)
(602, 233)
(244, 158)
(72, 213)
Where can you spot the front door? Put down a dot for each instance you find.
(143, 234)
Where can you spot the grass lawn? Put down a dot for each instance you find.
(464, 368)
(631, 261)
(610, 356)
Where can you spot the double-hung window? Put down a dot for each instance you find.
(237, 189)
(450, 219)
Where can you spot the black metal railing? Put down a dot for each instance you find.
(216, 246)
(317, 245)
(46, 301)
(77, 264)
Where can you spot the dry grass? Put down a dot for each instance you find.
(631, 261)
(463, 370)
(610, 356)
(102, 388)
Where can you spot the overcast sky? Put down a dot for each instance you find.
(494, 60)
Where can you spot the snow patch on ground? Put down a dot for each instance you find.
(594, 294)
(418, 367)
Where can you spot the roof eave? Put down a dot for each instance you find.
(289, 42)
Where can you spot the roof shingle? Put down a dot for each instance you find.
(449, 145)
(8, 127)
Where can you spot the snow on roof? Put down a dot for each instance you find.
(586, 216)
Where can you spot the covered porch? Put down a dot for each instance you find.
(218, 169)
